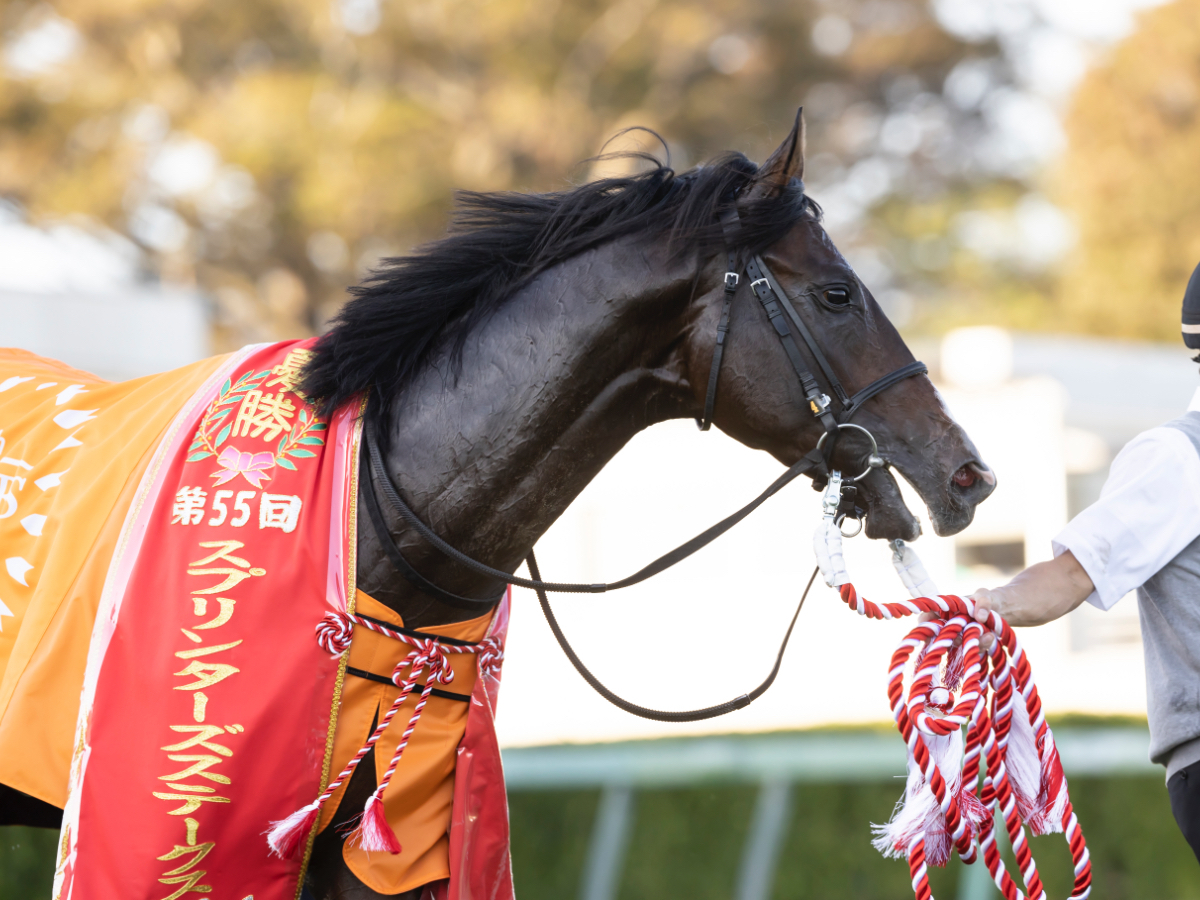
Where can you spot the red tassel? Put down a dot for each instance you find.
(1052, 793)
(956, 666)
(288, 835)
(374, 832)
(972, 810)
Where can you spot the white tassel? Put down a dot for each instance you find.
(1049, 817)
(909, 818)
(1025, 770)
(911, 571)
(918, 814)
(827, 545)
(286, 836)
(374, 832)
(1032, 773)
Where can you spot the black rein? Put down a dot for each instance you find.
(383, 478)
(783, 317)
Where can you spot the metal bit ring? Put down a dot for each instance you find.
(874, 460)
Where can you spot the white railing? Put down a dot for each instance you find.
(775, 762)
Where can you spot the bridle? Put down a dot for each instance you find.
(783, 316)
(780, 310)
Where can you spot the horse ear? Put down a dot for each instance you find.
(786, 163)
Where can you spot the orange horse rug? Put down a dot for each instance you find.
(170, 545)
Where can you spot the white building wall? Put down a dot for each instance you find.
(124, 334)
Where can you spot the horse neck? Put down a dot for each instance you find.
(551, 387)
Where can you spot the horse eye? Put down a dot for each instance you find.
(837, 296)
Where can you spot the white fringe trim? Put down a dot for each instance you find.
(917, 814)
(1030, 774)
(827, 545)
(911, 571)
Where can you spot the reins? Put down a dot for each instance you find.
(657, 715)
(783, 317)
(383, 478)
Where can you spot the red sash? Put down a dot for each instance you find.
(207, 708)
(480, 863)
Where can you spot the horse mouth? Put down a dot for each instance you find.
(888, 517)
(951, 508)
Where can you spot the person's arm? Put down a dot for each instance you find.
(1146, 514)
(1040, 594)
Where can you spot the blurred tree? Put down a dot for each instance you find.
(1132, 180)
(271, 151)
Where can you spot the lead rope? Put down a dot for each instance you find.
(944, 807)
(429, 655)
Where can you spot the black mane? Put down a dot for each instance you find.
(497, 242)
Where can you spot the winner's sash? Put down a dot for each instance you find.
(208, 708)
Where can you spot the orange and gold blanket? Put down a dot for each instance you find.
(169, 544)
(72, 451)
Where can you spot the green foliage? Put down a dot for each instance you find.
(828, 850)
(26, 862)
(333, 148)
(1131, 179)
(1137, 850)
(687, 843)
(955, 285)
(550, 831)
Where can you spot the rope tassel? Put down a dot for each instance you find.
(954, 683)
(429, 654)
(288, 835)
(1024, 782)
(919, 813)
(374, 832)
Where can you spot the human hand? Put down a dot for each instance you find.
(986, 602)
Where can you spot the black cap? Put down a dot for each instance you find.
(1191, 311)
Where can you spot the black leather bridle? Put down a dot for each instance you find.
(783, 316)
(780, 311)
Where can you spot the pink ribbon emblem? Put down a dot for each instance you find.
(251, 466)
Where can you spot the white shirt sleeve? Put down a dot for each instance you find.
(1148, 511)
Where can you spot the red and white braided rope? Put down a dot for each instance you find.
(429, 657)
(988, 733)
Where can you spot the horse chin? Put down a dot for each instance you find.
(887, 516)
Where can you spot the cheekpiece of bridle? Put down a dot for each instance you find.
(783, 317)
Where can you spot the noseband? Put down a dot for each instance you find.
(780, 311)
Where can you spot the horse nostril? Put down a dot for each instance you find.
(964, 477)
(983, 472)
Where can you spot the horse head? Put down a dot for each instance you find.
(509, 361)
(761, 402)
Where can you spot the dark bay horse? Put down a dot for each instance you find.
(507, 363)
(510, 361)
